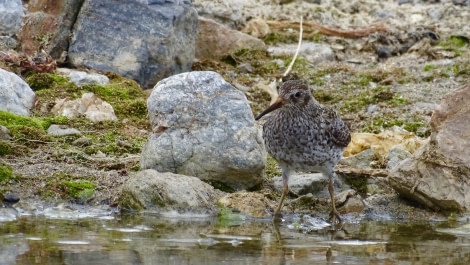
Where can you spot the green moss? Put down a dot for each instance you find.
(269, 68)
(30, 128)
(5, 148)
(280, 37)
(429, 67)
(221, 186)
(125, 95)
(81, 191)
(129, 202)
(6, 173)
(41, 81)
(323, 96)
(227, 218)
(459, 69)
(453, 42)
(136, 167)
(358, 183)
(115, 143)
(364, 96)
(415, 125)
(272, 168)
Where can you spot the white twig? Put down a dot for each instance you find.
(297, 51)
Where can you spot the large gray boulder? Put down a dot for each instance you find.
(49, 26)
(144, 42)
(438, 174)
(203, 127)
(11, 14)
(15, 94)
(168, 193)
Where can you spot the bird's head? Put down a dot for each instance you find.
(292, 93)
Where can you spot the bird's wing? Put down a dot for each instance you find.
(339, 130)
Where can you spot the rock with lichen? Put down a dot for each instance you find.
(204, 127)
(168, 193)
(438, 174)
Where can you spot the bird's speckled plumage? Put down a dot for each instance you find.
(303, 135)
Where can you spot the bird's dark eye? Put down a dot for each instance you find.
(298, 94)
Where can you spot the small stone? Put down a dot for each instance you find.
(354, 204)
(312, 52)
(4, 133)
(10, 199)
(61, 130)
(89, 106)
(302, 184)
(82, 141)
(83, 78)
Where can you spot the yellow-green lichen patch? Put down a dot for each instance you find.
(114, 143)
(455, 44)
(6, 173)
(78, 189)
(228, 218)
(272, 168)
(31, 128)
(413, 124)
(357, 98)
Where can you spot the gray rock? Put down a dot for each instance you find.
(395, 156)
(61, 130)
(81, 78)
(8, 214)
(362, 160)
(168, 193)
(342, 197)
(227, 12)
(302, 184)
(354, 204)
(15, 94)
(11, 14)
(5, 134)
(216, 41)
(438, 174)
(142, 42)
(204, 127)
(312, 52)
(83, 141)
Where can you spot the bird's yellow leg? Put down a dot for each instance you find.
(333, 214)
(285, 190)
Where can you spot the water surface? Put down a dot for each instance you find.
(115, 238)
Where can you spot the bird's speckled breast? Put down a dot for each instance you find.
(302, 142)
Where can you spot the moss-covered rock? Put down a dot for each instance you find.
(6, 173)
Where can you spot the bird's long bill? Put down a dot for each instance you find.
(277, 104)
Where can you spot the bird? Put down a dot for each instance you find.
(302, 135)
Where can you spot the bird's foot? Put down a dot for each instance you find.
(335, 219)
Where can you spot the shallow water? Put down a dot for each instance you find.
(113, 238)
